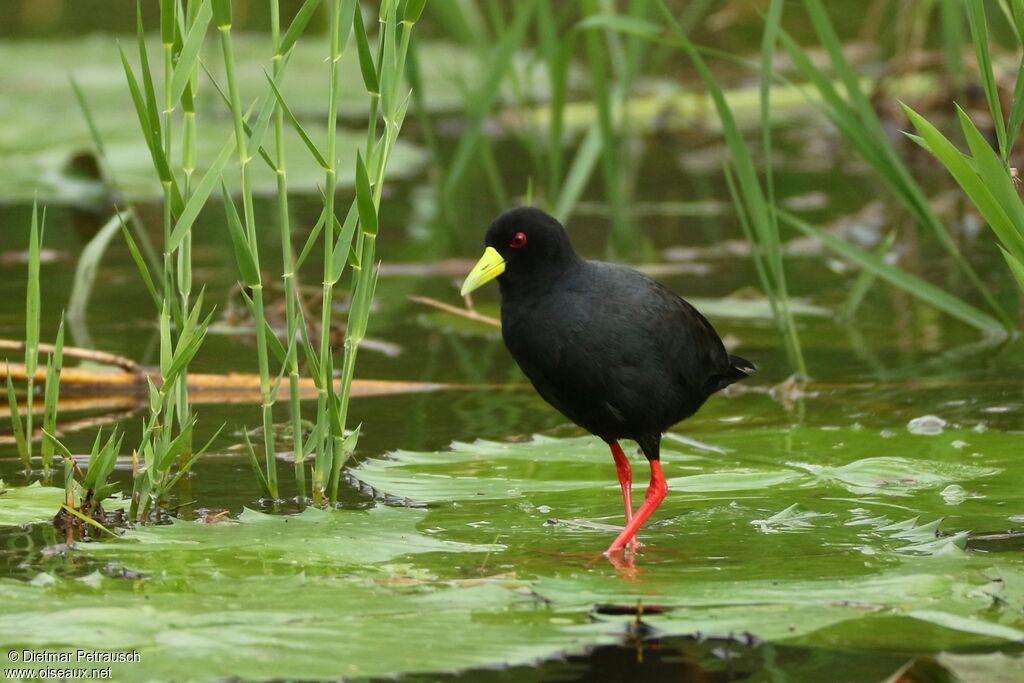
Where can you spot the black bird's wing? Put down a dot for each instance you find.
(616, 352)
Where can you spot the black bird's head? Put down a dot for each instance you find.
(525, 247)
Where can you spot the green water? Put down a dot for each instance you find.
(806, 536)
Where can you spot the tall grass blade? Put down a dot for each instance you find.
(33, 303)
(965, 175)
(611, 162)
(200, 194)
(189, 55)
(140, 262)
(297, 27)
(16, 425)
(33, 306)
(343, 250)
(364, 198)
(366, 65)
(866, 279)
(758, 210)
(487, 93)
(297, 126)
(923, 290)
(861, 127)
(51, 396)
(247, 267)
(1015, 264)
(979, 34)
(88, 266)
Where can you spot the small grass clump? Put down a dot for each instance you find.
(985, 175)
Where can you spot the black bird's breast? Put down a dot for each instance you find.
(614, 351)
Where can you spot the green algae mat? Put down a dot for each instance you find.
(811, 537)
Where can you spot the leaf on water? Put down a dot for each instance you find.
(322, 594)
(995, 667)
(28, 504)
(263, 543)
(294, 626)
(894, 476)
(790, 519)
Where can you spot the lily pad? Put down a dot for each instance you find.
(314, 595)
(28, 504)
(749, 540)
(274, 543)
(710, 563)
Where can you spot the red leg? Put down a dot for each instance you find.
(656, 493)
(625, 478)
(626, 483)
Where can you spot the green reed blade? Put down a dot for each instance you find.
(257, 468)
(167, 21)
(189, 55)
(1016, 111)
(247, 267)
(866, 279)
(87, 267)
(343, 248)
(153, 142)
(314, 234)
(364, 198)
(182, 358)
(979, 35)
(346, 18)
(389, 62)
(298, 25)
(152, 108)
(51, 394)
(16, 425)
(273, 343)
(927, 292)
(297, 126)
(969, 181)
(187, 466)
(1015, 264)
(312, 357)
(487, 93)
(413, 10)
(222, 14)
(366, 65)
(861, 127)
(200, 193)
(177, 446)
(32, 296)
(261, 119)
(140, 261)
(90, 120)
(996, 177)
(57, 446)
(88, 520)
(610, 152)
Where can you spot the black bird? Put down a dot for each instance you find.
(613, 350)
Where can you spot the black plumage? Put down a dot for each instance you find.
(614, 351)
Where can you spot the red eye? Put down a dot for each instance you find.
(518, 240)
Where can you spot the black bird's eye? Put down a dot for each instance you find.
(518, 240)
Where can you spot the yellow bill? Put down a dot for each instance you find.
(490, 266)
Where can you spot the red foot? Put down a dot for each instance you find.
(656, 493)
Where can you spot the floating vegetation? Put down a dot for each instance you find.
(252, 194)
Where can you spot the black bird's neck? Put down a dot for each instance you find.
(520, 286)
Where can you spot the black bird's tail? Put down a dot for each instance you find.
(739, 369)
